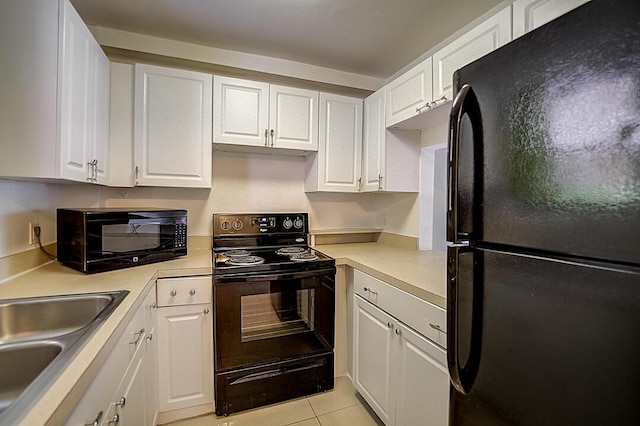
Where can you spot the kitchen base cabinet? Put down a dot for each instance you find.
(185, 343)
(119, 390)
(402, 374)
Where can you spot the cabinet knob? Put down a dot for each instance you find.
(173, 293)
(122, 402)
(192, 292)
(398, 332)
(153, 305)
(205, 311)
(389, 325)
(114, 420)
(96, 422)
(150, 337)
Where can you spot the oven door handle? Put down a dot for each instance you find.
(274, 276)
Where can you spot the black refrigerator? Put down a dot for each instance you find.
(543, 290)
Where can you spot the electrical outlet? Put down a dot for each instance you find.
(32, 234)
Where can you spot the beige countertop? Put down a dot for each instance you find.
(55, 279)
(419, 272)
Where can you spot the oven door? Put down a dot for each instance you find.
(273, 317)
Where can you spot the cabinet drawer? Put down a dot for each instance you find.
(424, 317)
(184, 291)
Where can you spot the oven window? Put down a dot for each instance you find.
(275, 314)
(129, 237)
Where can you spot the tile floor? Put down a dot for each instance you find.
(341, 406)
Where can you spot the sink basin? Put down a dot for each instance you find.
(21, 364)
(39, 337)
(24, 319)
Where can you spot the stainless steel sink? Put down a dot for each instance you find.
(24, 319)
(39, 337)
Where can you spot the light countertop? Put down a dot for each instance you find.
(419, 272)
(54, 279)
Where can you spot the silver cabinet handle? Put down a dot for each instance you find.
(367, 289)
(359, 184)
(114, 420)
(173, 293)
(266, 137)
(137, 335)
(398, 332)
(122, 402)
(272, 136)
(192, 292)
(437, 327)
(205, 311)
(136, 177)
(379, 182)
(96, 422)
(95, 170)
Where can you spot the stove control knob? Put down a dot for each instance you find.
(225, 226)
(298, 223)
(237, 224)
(288, 223)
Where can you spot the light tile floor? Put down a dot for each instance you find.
(341, 406)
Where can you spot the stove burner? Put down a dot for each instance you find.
(244, 260)
(304, 257)
(236, 253)
(288, 251)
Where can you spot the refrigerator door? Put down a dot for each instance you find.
(554, 166)
(560, 341)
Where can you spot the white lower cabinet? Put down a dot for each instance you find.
(185, 343)
(401, 374)
(119, 392)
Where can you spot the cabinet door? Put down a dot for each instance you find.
(130, 398)
(241, 111)
(407, 93)
(373, 142)
(185, 356)
(481, 40)
(151, 362)
(372, 357)
(337, 164)
(100, 113)
(531, 14)
(75, 96)
(293, 118)
(422, 387)
(172, 134)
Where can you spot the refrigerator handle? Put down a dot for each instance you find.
(462, 377)
(465, 102)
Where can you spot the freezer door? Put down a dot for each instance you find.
(556, 159)
(559, 342)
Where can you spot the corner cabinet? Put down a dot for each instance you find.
(390, 158)
(255, 114)
(172, 127)
(59, 128)
(531, 14)
(397, 367)
(185, 347)
(123, 391)
(336, 165)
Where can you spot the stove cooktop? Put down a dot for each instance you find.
(268, 259)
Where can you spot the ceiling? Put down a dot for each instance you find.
(369, 37)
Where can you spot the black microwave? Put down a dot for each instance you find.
(97, 240)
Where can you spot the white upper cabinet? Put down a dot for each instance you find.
(54, 112)
(390, 159)
(241, 112)
(293, 118)
(250, 113)
(531, 14)
(481, 40)
(336, 165)
(410, 92)
(172, 127)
